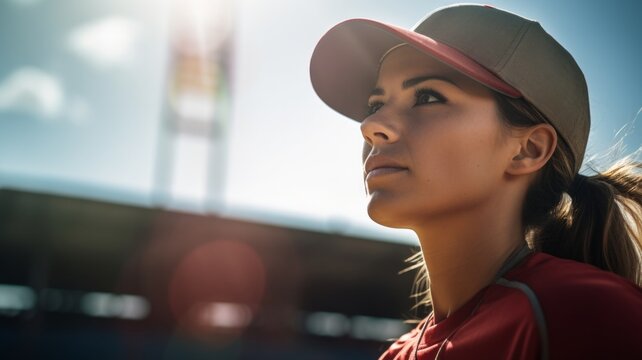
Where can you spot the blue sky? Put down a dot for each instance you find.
(80, 111)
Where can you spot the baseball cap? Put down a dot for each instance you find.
(504, 51)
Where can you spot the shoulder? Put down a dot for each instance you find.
(560, 281)
(587, 310)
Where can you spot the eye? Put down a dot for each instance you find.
(374, 106)
(428, 96)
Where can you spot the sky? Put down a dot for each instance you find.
(83, 93)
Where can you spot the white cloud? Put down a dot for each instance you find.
(106, 42)
(36, 92)
(33, 91)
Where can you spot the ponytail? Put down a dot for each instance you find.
(593, 219)
(599, 221)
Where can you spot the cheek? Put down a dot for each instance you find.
(461, 155)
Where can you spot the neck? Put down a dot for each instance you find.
(464, 251)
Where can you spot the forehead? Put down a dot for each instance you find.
(406, 61)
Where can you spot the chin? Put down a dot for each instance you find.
(387, 213)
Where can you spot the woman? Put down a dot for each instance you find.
(475, 126)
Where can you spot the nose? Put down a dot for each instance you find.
(377, 129)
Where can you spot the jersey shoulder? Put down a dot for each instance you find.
(587, 310)
(562, 279)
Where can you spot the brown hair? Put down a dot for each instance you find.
(593, 219)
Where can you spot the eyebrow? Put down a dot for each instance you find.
(412, 82)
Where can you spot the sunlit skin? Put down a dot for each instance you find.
(449, 169)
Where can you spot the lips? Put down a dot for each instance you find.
(379, 165)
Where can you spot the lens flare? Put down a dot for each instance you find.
(216, 289)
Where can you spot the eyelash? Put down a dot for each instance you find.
(419, 93)
(429, 92)
(373, 107)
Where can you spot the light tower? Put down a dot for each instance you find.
(192, 146)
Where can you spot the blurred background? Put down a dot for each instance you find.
(171, 187)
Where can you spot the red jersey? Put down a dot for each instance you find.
(588, 313)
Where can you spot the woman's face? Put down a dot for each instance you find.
(434, 142)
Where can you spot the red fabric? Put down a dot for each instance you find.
(589, 313)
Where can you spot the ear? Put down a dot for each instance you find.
(536, 146)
